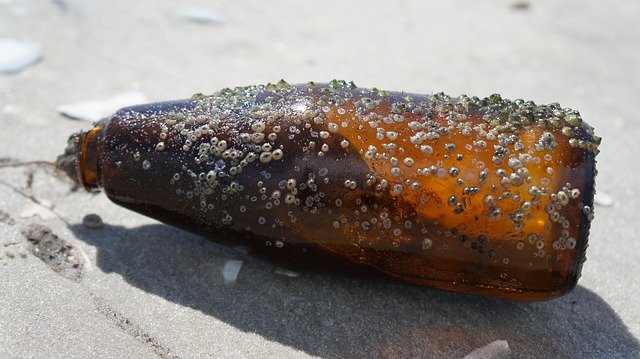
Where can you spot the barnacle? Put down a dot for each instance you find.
(485, 196)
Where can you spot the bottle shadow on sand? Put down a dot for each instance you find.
(339, 316)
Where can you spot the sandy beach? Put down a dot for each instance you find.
(133, 287)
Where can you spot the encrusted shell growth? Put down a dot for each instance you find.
(485, 196)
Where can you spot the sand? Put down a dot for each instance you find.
(143, 289)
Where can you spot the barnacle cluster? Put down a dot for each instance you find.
(487, 195)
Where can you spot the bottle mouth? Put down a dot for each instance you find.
(68, 161)
(80, 159)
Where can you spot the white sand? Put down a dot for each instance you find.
(149, 290)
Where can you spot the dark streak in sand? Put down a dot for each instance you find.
(54, 251)
(131, 328)
(6, 218)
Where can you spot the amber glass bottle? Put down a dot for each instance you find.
(484, 196)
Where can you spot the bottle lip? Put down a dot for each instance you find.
(68, 161)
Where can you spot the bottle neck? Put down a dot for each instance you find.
(87, 169)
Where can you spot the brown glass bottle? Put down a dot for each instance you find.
(483, 196)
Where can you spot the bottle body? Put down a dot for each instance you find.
(487, 196)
